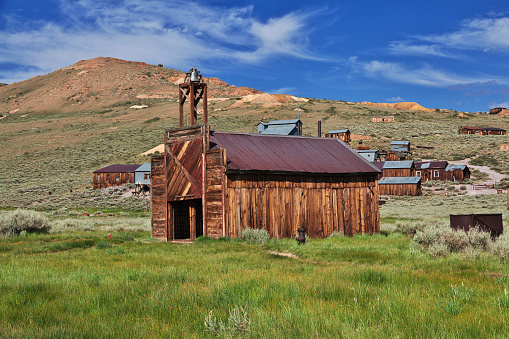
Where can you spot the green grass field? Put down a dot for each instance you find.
(82, 285)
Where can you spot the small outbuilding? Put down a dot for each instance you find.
(370, 155)
(400, 146)
(281, 127)
(114, 175)
(404, 168)
(343, 134)
(218, 183)
(142, 179)
(456, 172)
(400, 186)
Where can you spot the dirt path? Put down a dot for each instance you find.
(493, 177)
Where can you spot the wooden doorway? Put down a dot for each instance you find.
(187, 219)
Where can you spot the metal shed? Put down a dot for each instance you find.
(217, 183)
(488, 222)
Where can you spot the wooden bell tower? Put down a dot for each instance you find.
(192, 90)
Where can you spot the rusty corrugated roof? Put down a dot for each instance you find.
(118, 169)
(256, 152)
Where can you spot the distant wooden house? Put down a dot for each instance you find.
(396, 156)
(400, 146)
(383, 119)
(217, 183)
(343, 134)
(370, 155)
(114, 175)
(281, 127)
(400, 186)
(482, 130)
(456, 172)
(431, 170)
(404, 168)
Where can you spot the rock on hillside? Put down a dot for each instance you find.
(413, 106)
(98, 83)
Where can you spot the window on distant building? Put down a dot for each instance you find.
(146, 176)
(117, 177)
(418, 173)
(435, 174)
(107, 178)
(98, 177)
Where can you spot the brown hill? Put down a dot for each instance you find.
(97, 83)
(413, 106)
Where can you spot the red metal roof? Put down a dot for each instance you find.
(431, 164)
(118, 169)
(278, 153)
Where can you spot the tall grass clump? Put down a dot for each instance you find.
(20, 221)
(254, 235)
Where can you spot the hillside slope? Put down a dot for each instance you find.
(97, 83)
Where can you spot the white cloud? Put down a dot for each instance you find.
(424, 75)
(175, 33)
(395, 99)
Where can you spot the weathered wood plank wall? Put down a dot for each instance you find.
(213, 212)
(158, 198)
(281, 204)
(400, 189)
(110, 179)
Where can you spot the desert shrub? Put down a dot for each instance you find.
(454, 240)
(500, 247)
(463, 187)
(15, 222)
(70, 225)
(429, 235)
(237, 324)
(410, 227)
(478, 238)
(254, 235)
(438, 249)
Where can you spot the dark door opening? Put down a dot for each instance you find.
(187, 219)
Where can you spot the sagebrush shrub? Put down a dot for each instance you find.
(15, 222)
(479, 238)
(500, 247)
(455, 240)
(255, 235)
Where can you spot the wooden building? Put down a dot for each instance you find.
(343, 134)
(482, 130)
(114, 175)
(404, 168)
(217, 183)
(400, 146)
(456, 172)
(370, 155)
(431, 170)
(383, 119)
(281, 127)
(396, 156)
(400, 186)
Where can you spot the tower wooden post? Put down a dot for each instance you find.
(193, 90)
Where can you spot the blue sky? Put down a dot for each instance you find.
(447, 54)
